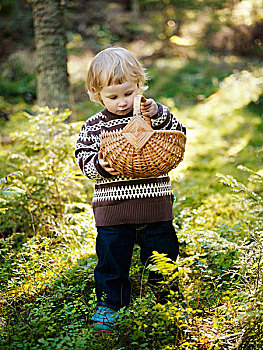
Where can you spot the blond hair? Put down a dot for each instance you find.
(113, 66)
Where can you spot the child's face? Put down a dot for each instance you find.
(118, 99)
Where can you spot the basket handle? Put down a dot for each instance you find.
(137, 108)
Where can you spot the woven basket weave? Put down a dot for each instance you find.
(138, 151)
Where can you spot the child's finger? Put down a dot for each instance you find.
(103, 163)
(146, 108)
(106, 165)
(112, 171)
(147, 114)
(146, 103)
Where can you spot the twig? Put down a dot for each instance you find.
(46, 265)
(229, 336)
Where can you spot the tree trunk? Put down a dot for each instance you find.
(51, 56)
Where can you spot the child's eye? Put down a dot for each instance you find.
(128, 93)
(113, 97)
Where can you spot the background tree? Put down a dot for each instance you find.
(51, 56)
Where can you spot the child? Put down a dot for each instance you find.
(126, 210)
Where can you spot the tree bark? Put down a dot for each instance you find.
(51, 56)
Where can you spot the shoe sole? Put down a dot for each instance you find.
(103, 332)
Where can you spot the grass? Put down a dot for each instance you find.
(48, 294)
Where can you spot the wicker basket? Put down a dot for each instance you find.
(138, 151)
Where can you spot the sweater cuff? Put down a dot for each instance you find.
(99, 168)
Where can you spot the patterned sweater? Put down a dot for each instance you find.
(117, 199)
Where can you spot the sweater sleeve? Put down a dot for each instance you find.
(165, 120)
(86, 152)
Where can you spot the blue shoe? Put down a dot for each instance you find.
(105, 319)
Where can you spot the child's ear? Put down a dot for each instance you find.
(100, 99)
(140, 90)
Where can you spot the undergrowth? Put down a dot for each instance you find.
(47, 240)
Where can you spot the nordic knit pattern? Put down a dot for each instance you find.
(117, 199)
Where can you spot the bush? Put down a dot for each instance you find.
(51, 182)
(48, 225)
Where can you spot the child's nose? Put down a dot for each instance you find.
(122, 102)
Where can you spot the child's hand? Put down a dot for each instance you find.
(105, 165)
(149, 108)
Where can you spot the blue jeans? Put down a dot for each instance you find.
(114, 247)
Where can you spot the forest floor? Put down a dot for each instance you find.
(47, 293)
